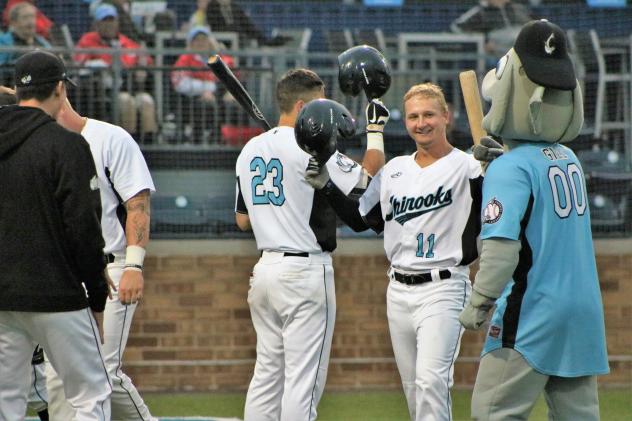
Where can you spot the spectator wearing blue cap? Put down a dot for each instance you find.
(107, 36)
(127, 26)
(199, 88)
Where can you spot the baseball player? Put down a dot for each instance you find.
(428, 205)
(537, 261)
(38, 398)
(291, 296)
(125, 184)
(52, 249)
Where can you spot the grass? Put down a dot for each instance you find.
(616, 405)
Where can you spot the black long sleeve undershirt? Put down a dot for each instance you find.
(345, 207)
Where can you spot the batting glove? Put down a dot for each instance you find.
(487, 150)
(474, 315)
(376, 116)
(316, 175)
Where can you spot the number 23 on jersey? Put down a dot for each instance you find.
(274, 169)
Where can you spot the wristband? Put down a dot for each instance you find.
(135, 256)
(375, 140)
(133, 267)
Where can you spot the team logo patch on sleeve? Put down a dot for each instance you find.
(346, 164)
(492, 212)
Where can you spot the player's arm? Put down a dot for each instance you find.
(241, 212)
(137, 222)
(376, 118)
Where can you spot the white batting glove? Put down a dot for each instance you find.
(316, 175)
(474, 315)
(376, 116)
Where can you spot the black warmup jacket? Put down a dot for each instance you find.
(50, 212)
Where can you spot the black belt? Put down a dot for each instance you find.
(288, 254)
(109, 258)
(420, 278)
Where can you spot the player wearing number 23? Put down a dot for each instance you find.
(291, 297)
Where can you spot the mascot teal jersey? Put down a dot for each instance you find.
(536, 194)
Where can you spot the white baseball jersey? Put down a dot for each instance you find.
(122, 173)
(285, 211)
(430, 216)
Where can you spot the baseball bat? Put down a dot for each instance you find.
(237, 90)
(472, 99)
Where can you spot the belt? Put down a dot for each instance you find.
(109, 258)
(288, 254)
(420, 278)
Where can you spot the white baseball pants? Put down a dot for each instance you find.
(127, 404)
(72, 342)
(425, 332)
(293, 309)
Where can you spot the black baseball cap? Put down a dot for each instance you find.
(39, 67)
(543, 50)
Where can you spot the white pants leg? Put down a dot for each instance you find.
(292, 303)
(15, 361)
(426, 334)
(127, 404)
(72, 344)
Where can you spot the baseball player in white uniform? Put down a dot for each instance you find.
(125, 184)
(428, 206)
(291, 296)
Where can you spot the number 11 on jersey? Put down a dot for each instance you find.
(420, 246)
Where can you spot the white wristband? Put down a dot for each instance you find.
(375, 140)
(135, 255)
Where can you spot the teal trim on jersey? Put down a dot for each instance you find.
(555, 305)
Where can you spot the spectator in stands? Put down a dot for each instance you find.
(200, 87)
(125, 22)
(499, 20)
(42, 23)
(22, 32)
(198, 17)
(228, 16)
(107, 35)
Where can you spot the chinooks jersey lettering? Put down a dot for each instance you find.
(285, 212)
(432, 213)
(552, 311)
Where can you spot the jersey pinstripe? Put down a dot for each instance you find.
(284, 210)
(430, 216)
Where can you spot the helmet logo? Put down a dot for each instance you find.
(548, 48)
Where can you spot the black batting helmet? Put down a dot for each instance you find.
(320, 124)
(363, 67)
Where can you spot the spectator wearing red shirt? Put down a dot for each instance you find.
(200, 88)
(42, 22)
(107, 36)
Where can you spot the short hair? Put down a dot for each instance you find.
(295, 85)
(427, 90)
(14, 12)
(38, 92)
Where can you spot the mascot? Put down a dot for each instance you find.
(537, 263)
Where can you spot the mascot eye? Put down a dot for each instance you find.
(500, 66)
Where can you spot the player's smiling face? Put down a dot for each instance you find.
(425, 121)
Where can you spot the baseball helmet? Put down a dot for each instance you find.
(319, 125)
(363, 67)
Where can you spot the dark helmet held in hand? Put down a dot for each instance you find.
(363, 67)
(320, 124)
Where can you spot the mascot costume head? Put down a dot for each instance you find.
(533, 90)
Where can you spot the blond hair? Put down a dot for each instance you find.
(427, 91)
